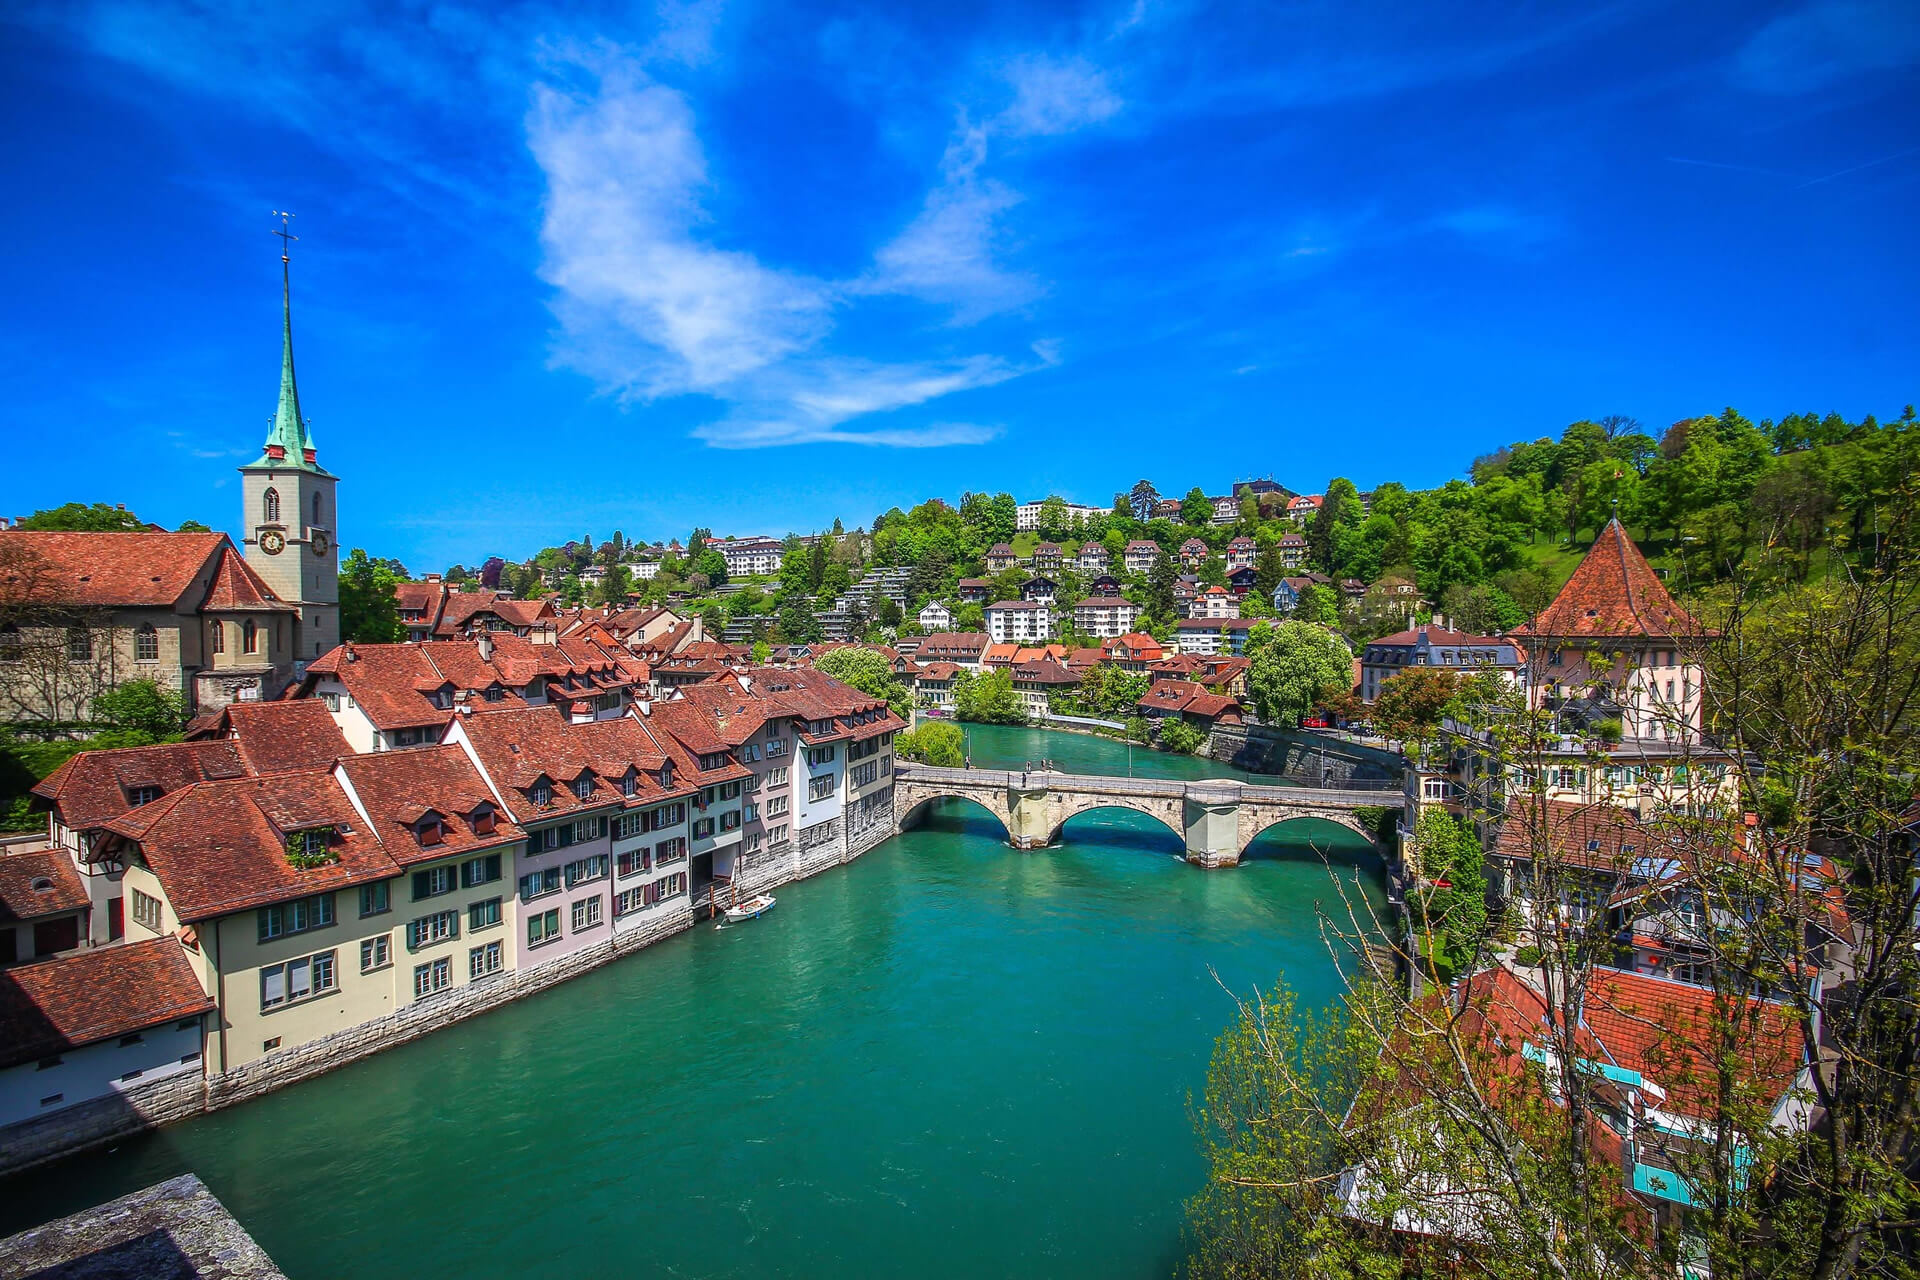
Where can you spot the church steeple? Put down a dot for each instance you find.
(290, 442)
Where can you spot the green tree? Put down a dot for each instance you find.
(868, 671)
(988, 697)
(1318, 603)
(1411, 703)
(1160, 601)
(934, 742)
(1292, 666)
(141, 705)
(797, 623)
(193, 526)
(1196, 508)
(1141, 500)
(78, 517)
(369, 609)
(1180, 737)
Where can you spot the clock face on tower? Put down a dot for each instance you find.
(272, 541)
(318, 539)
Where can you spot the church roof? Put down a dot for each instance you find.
(1613, 592)
(237, 587)
(126, 570)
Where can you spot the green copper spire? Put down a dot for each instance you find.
(290, 443)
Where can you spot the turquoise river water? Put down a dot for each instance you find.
(946, 1059)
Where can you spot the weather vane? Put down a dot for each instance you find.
(284, 234)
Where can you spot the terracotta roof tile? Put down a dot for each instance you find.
(398, 788)
(218, 847)
(276, 736)
(87, 996)
(41, 883)
(106, 569)
(1613, 592)
(91, 789)
(237, 588)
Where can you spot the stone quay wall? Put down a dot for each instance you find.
(101, 1121)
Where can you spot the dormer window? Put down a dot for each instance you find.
(430, 831)
(484, 820)
(630, 783)
(310, 847)
(137, 796)
(583, 786)
(443, 699)
(494, 693)
(542, 794)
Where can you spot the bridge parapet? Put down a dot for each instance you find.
(1216, 817)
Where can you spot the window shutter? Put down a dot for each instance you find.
(422, 885)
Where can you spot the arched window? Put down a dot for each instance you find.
(270, 507)
(249, 637)
(146, 643)
(316, 508)
(219, 637)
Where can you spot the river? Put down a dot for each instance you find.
(946, 1059)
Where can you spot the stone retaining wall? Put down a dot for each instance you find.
(103, 1120)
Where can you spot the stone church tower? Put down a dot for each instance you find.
(289, 511)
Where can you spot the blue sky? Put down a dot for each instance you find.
(566, 269)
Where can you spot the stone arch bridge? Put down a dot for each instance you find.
(1216, 818)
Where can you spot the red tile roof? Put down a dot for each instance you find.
(37, 884)
(519, 746)
(237, 588)
(88, 996)
(220, 847)
(90, 789)
(1664, 1030)
(399, 788)
(1613, 592)
(107, 569)
(289, 734)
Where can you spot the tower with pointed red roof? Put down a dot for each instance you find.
(1616, 634)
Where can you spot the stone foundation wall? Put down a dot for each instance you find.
(104, 1120)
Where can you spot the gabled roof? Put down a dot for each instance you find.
(398, 788)
(1614, 592)
(237, 588)
(220, 847)
(90, 789)
(87, 996)
(38, 884)
(288, 734)
(113, 570)
(1663, 1029)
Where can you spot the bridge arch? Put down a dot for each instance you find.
(1067, 813)
(1256, 824)
(916, 811)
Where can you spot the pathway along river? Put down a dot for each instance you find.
(944, 1060)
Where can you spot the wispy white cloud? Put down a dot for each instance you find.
(947, 253)
(649, 309)
(646, 309)
(1053, 96)
(1823, 42)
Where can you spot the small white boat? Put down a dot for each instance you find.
(758, 905)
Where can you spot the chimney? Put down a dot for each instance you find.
(486, 646)
(433, 579)
(351, 655)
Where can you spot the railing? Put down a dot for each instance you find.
(1096, 784)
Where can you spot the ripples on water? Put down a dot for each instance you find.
(947, 1059)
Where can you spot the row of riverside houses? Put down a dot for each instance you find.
(316, 894)
(359, 843)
